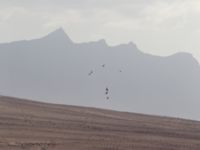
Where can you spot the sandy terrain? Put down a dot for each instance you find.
(27, 125)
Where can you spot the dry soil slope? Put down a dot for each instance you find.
(32, 125)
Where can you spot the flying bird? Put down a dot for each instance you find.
(107, 90)
(106, 93)
(91, 72)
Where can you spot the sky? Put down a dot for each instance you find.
(160, 27)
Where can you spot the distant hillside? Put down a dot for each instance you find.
(28, 125)
(55, 68)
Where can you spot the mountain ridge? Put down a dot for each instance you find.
(49, 68)
(60, 32)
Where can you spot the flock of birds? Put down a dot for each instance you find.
(106, 89)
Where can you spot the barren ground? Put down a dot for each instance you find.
(28, 125)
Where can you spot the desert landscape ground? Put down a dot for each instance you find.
(29, 125)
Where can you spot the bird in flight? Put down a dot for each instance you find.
(91, 72)
(106, 93)
(107, 90)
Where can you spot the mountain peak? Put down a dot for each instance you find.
(59, 35)
(102, 42)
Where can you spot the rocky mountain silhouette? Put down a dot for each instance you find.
(56, 68)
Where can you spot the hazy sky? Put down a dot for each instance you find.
(157, 26)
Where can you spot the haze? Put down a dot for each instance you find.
(57, 70)
(160, 27)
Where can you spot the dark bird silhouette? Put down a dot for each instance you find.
(106, 93)
(107, 90)
(91, 72)
(103, 65)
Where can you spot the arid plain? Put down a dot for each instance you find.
(29, 125)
